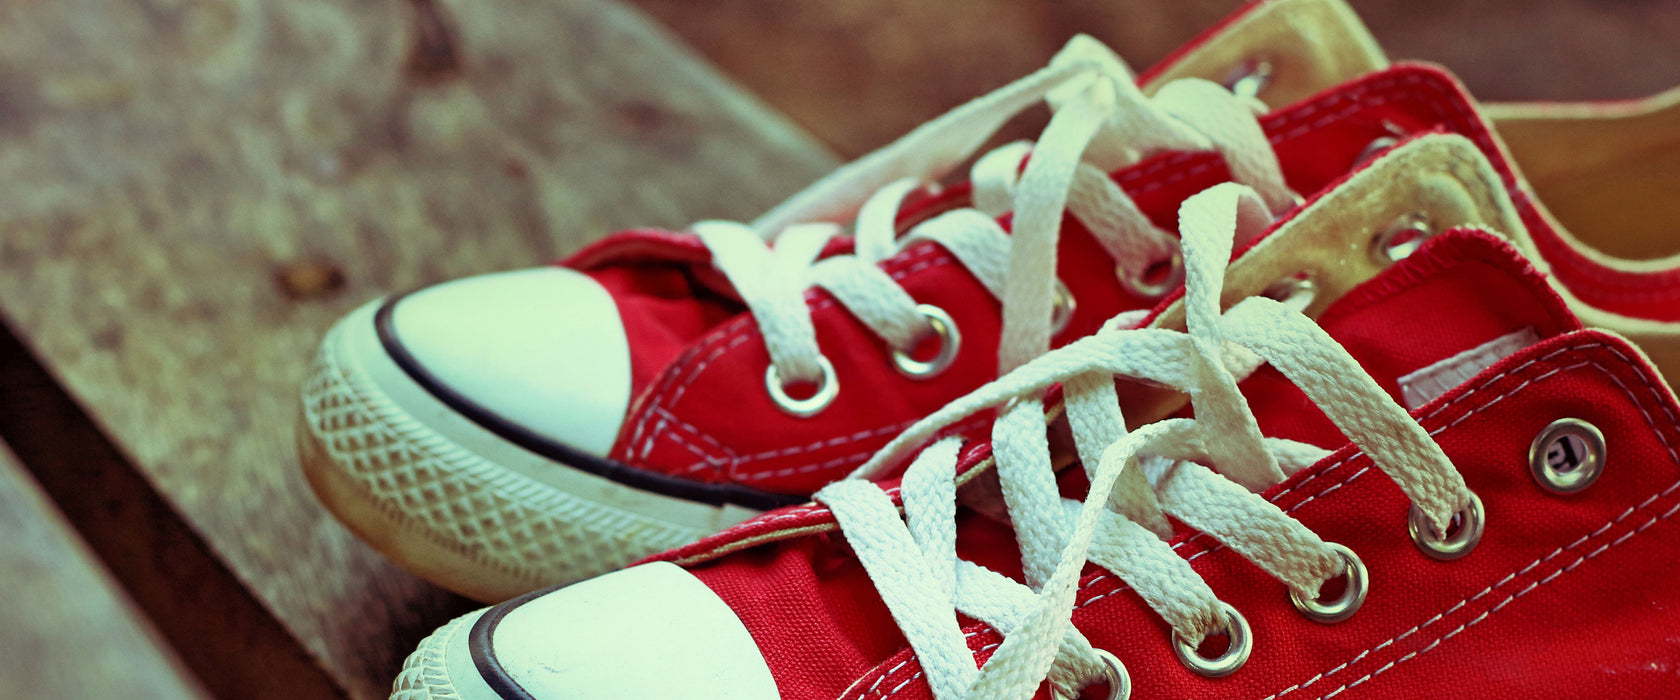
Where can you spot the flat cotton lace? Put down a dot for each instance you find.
(1205, 471)
(1102, 122)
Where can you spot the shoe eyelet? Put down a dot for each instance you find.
(1377, 145)
(1167, 275)
(1250, 78)
(950, 340)
(1345, 605)
(1115, 675)
(1567, 457)
(1470, 521)
(1296, 291)
(827, 389)
(1401, 238)
(1062, 307)
(1236, 650)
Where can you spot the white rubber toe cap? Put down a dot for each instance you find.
(543, 349)
(651, 631)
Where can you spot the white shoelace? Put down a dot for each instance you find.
(1137, 478)
(1102, 122)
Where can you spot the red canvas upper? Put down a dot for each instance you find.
(699, 408)
(704, 414)
(1563, 592)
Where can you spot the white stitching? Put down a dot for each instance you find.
(1463, 397)
(1294, 125)
(1637, 403)
(1661, 435)
(857, 457)
(1381, 92)
(734, 461)
(1485, 614)
(696, 432)
(741, 330)
(831, 442)
(955, 429)
(918, 674)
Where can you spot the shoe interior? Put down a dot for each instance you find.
(1600, 168)
(1605, 170)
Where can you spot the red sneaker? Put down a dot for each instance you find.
(1597, 167)
(509, 431)
(445, 435)
(1295, 535)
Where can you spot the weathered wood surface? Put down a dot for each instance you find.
(191, 191)
(66, 630)
(857, 73)
(224, 635)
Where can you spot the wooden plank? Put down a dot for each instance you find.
(229, 640)
(191, 192)
(66, 631)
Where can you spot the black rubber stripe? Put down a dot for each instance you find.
(713, 494)
(484, 653)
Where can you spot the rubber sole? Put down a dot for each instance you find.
(426, 673)
(456, 504)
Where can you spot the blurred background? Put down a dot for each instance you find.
(193, 191)
(857, 73)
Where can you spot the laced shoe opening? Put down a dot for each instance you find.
(1454, 526)
(1216, 645)
(1159, 273)
(926, 348)
(1333, 589)
(802, 390)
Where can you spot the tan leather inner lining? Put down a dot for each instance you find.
(1604, 170)
(1609, 173)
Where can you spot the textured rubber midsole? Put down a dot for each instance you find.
(442, 667)
(473, 512)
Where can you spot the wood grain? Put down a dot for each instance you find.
(66, 631)
(227, 639)
(191, 191)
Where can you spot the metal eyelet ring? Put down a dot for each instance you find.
(1345, 605)
(1401, 238)
(1296, 291)
(1236, 651)
(1567, 456)
(1167, 281)
(827, 389)
(1061, 310)
(1250, 78)
(950, 339)
(1377, 145)
(1115, 675)
(1458, 544)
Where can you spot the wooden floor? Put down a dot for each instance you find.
(69, 631)
(194, 191)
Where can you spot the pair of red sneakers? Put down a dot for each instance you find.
(485, 434)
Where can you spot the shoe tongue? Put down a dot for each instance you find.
(1389, 319)
(1292, 48)
(1464, 301)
